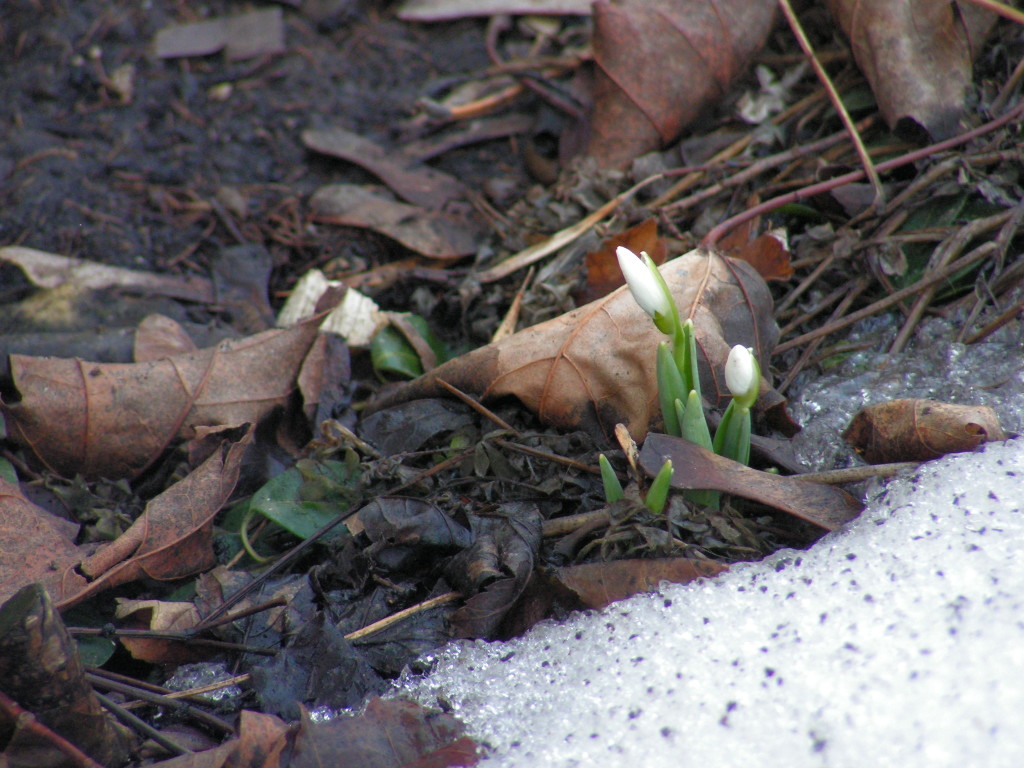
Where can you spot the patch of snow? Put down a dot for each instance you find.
(897, 641)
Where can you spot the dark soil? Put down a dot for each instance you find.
(139, 182)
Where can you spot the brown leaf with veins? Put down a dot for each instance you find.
(114, 419)
(919, 430)
(35, 546)
(594, 367)
(660, 63)
(917, 55)
(173, 538)
(435, 234)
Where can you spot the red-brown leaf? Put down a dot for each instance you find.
(659, 63)
(113, 419)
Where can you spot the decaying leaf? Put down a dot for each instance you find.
(173, 538)
(418, 184)
(498, 564)
(698, 468)
(389, 733)
(443, 10)
(35, 546)
(113, 420)
(919, 430)
(917, 56)
(40, 669)
(600, 584)
(255, 33)
(160, 616)
(659, 63)
(435, 234)
(594, 367)
(50, 270)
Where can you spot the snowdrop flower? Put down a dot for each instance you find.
(647, 290)
(742, 375)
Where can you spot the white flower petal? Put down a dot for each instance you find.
(741, 373)
(645, 289)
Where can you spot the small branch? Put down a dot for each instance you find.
(797, 195)
(837, 102)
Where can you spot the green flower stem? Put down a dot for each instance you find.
(612, 487)
(670, 388)
(657, 495)
(684, 350)
(732, 439)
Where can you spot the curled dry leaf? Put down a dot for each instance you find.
(919, 430)
(419, 185)
(916, 55)
(594, 367)
(173, 538)
(597, 585)
(659, 63)
(113, 420)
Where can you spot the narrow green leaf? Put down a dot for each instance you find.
(693, 424)
(670, 388)
(657, 495)
(612, 487)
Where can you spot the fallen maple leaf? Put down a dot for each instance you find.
(917, 56)
(594, 367)
(918, 430)
(114, 420)
(659, 63)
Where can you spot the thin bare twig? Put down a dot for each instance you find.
(768, 206)
(837, 102)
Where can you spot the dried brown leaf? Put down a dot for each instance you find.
(35, 546)
(698, 468)
(113, 420)
(594, 367)
(917, 56)
(418, 184)
(659, 63)
(389, 733)
(435, 234)
(173, 538)
(919, 430)
(599, 584)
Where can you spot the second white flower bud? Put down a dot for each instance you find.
(743, 375)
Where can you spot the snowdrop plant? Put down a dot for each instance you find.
(678, 377)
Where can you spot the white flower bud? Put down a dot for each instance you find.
(743, 375)
(642, 284)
